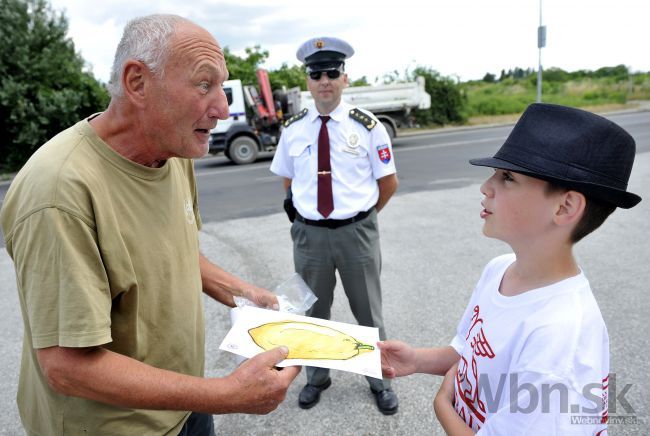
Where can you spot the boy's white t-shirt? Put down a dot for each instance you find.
(535, 363)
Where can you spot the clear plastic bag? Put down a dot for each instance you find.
(294, 296)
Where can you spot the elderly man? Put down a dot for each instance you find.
(102, 225)
(337, 161)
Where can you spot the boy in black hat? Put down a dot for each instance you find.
(531, 353)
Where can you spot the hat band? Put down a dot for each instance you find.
(544, 166)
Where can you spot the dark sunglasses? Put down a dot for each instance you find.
(331, 74)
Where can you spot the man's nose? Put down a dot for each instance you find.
(219, 107)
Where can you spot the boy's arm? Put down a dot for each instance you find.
(399, 359)
(443, 405)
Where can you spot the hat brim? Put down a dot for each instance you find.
(324, 66)
(617, 197)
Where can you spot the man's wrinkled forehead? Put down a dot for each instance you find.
(193, 43)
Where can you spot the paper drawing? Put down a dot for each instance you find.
(307, 340)
(311, 341)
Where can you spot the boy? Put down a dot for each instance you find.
(532, 350)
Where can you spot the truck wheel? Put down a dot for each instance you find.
(242, 150)
(389, 129)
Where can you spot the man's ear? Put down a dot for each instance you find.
(346, 80)
(136, 74)
(570, 209)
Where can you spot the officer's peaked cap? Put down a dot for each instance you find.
(324, 53)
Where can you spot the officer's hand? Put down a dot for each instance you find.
(397, 359)
(262, 386)
(261, 297)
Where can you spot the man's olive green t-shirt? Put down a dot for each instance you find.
(106, 253)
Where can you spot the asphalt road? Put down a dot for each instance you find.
(428, 161)
(433, 253)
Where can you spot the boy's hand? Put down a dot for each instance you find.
(397, 359)
(446, 391)
(443, 405)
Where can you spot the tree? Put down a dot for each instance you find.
(244, 68)
(288, 77)
(43, 86)
(447, 102)
(490, 78)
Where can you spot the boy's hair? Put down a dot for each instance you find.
(596, 212)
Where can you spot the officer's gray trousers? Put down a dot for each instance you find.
(354, 251)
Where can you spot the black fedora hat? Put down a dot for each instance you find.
(571, 148)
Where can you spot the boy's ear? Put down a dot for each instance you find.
(570, 208)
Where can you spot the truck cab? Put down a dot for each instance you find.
(236, 129)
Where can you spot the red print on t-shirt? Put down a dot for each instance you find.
(468, 404)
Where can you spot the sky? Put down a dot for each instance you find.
(461, 39)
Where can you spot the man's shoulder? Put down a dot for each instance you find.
(52, 174)
(366, 118)
(297, 117)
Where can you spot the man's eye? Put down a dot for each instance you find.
(204, 86)
(506, 177)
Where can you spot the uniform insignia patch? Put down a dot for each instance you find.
(353, 140)
(366, 120)
(384, 153)
(295, 118)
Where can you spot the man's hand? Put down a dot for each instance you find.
(261, 297)
(259, 386)
(223, 286)
(397, 359)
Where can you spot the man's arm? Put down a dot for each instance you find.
(101, 375)
(223, 286)
(387, 187)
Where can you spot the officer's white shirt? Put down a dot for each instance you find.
(355, 157)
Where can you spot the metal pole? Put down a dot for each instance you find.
(541, 41)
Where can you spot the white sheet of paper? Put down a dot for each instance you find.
(239, 341)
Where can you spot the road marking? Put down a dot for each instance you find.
(447, 144)
(264, 179)
(460, 179)
(238, 169)
(398, 150)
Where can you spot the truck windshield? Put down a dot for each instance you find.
(228, 92)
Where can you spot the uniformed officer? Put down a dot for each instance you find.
(338, 165)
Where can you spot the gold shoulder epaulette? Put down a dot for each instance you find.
(366, 120)
(296, 117)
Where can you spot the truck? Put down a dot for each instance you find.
(257, 114)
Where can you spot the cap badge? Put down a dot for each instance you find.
(319, 44)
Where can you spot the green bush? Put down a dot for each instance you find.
(516, 90)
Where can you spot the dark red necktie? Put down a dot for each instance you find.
(325, 200)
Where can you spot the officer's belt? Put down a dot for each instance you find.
(333, 224)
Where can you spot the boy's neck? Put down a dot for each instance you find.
(535, 269)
